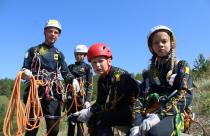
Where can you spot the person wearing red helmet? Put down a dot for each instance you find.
(99, 52)
(116, 94)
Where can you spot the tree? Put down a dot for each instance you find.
(138, 76)
(201, 65)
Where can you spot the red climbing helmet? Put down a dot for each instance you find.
(98, 49)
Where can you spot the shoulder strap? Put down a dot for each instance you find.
(176, 66)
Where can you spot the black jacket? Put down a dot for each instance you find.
(157, 83)
(115, 89)
(84, 71)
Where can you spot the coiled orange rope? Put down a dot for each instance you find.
(33, 106)
(16, 107)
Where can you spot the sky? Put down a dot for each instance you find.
(122, 24)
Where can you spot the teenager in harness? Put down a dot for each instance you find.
(76, 101)
(166, 88)
(116, 94)
(46, 63)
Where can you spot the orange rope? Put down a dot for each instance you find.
(33, 105)
(69, 87)
(16, 107)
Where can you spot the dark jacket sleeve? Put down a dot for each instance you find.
(28, 58)
(89, 83)
(132, 89)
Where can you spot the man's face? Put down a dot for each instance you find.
(51, 35)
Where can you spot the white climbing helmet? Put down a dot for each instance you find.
(158, 28)
(53, 23)
(81, 49)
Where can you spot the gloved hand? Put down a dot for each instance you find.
(134, 131)
(83, 115)
(149, 122)
(87, 104)
(75, 84)
(171, 80)
(27, 74)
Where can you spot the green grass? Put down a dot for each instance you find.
(3, 108)
(3, 100)
(62, 131)
(201, 99)
(201, 102)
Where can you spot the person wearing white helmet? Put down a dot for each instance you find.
(83, 73)
(45, 62)
(166, 87)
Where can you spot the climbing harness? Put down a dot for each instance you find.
(182, 121)
(45, 78)
(75, 101)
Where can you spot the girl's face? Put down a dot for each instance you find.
(101, 65)
(161, 43)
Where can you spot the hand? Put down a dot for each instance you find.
(134, 131)
(148, 123)
(83, 115)
(171, 80)
(75, 84)
(87, 104)
(27, 74)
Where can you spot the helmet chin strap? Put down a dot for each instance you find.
(109, 66)
(108, 69)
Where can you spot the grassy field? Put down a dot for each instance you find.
(3, 107)
(63, 128)
(3, 100)
(62, 132)
(201, 99)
